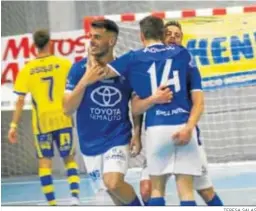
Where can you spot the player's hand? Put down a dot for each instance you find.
(162, 95)
(93, 73)
(135, 146)
(12, 135)
(183, 136)
(94, 70)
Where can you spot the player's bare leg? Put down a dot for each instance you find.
(73, 178)
(158, 190)
(123, 191)
(145, 190)
(185, 189)
(115, 200)
(210, 197)
(204, 186)
(206, 194)
(45, 175)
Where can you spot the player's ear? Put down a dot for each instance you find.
(112, 41)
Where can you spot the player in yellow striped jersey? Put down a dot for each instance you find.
(45, 78)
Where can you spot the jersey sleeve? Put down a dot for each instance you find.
(122, 64)
(194, 77)
(21, 83)
(73, 78)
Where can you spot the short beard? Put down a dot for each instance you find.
(100, 55)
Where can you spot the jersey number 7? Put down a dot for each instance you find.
(165, 80)
(50, 82)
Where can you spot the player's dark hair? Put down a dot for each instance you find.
(173, 23)
(152, 28)
(107, 24)
(41, 38)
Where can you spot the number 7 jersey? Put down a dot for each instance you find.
(45, 78)
(157, 65)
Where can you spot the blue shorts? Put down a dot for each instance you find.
(63, 139)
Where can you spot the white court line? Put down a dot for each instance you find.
(84, 199)
(131, 179)
(248, 166)
(38, 182)
(92, 199)
(35, 182)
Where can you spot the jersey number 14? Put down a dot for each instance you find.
(165, 80)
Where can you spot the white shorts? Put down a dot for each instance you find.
(203, 181)
(114, 160)
(144, 172)
(164, 157)
(200, 182)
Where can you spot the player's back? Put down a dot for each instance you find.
(46, 79)
(163, 65)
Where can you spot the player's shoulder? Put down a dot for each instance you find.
(79, 67)
(187, 57)
(186, 54)
(62, 61)
(177, 49)
(182, 51)
(81, 64)
(29, 65)
(130, 54)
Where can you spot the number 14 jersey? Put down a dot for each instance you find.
(157, 65)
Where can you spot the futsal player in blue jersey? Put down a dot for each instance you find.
(171, 137)
(102, 113)
(203, 183)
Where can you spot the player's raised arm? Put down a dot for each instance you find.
(21, 89)
(119, 66)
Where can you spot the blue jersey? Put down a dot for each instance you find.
(157, 65)
(103, 114)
